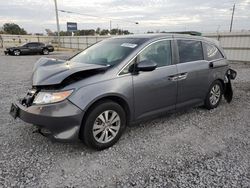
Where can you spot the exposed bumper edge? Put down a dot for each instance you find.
(228, 93)
(62, 120)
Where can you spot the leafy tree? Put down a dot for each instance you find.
(14, 29)
(114, 31)
(104, 32)
(119, 32)
(98, 30)
(64, 33)
(126, 32)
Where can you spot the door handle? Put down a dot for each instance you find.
(177, 77)
(173, 77)
(182, 76)
(211, 65)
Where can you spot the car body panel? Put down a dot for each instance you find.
(53, 72)
(121, 87)
(194, 82)
(62, 120)
(154, 91)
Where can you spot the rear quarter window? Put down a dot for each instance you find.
(211, 52)
(190, 50)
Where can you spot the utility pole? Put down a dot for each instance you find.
(232, 18)
(57, 22)
(110, 25)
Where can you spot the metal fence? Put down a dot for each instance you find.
(236, 45)
(76, 42)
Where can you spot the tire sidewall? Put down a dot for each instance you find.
(208, 104)
(86, 131)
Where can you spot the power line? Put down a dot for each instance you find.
(94, 16)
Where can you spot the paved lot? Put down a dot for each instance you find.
(194, 148)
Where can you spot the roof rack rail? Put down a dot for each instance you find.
(195, 33)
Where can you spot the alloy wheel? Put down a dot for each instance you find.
(45, 52)
(215, 94)
(106, 126)
(16, 52)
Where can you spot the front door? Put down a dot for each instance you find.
(155, 91)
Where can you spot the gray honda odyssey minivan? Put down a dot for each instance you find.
(95, 94)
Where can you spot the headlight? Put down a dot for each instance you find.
(51, 97)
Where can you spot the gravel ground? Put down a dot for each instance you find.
(194, 148)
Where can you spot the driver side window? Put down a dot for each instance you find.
(159, 52)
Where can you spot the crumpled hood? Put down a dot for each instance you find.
(49, 71)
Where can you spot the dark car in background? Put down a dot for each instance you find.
(30, 48)
(97, 93)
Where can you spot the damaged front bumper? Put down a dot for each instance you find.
(61, 121)
(6, 52)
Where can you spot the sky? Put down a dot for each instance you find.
(152, 15)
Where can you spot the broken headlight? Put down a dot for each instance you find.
(51, 97)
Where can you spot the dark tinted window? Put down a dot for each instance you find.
(190, 50)
(159, 52)
(33, 44)
(211, 52)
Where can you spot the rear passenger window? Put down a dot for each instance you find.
(211, 52)
(159, 52)
(33, 44)
(190, 50)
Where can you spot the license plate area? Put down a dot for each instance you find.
(14, 111)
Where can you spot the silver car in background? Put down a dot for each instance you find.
(94, 95)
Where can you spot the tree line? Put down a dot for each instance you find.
(14, 29)
(98, 31)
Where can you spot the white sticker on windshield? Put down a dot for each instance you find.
(129, 45)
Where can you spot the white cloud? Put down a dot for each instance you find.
(169, 15)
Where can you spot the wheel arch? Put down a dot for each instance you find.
(115, 98)
(222, 83)
(217, 79)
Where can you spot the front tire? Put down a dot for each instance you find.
(104, 125)
(45, 51)
(214, 95)
(16, 52)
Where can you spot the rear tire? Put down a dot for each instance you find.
(214, 95)
(104, 125)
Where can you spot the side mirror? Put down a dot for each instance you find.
(146, 65)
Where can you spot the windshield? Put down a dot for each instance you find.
(108, 52)
(24, 44)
